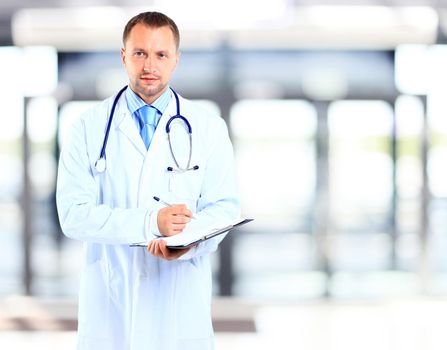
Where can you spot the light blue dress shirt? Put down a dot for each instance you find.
(134, 103)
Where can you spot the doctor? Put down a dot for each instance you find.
(134, 298)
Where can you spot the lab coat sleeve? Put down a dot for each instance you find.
(80, 215)
(154, 229)
(219, 199)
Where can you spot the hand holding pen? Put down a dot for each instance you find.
(173, 218)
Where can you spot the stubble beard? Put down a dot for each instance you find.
(149, 93)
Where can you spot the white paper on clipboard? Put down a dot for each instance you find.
(193, 234)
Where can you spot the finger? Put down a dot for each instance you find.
(189, 213)
(174, 229)
(186, 212)
(157, 251)
(171, 254)
(176, 209)
(154, 248)
(168, 254)
(149, 246)
(181, 209)
(164, 250)
(177, 253)
(180, 219)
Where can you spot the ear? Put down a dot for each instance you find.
(123, 56)
(177, 58)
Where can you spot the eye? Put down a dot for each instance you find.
(138, 54)
(162, 55)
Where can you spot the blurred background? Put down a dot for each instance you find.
(337, 112)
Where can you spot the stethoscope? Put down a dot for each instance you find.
(100, 164)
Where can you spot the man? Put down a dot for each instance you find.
(131, 298)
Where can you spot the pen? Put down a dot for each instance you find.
(158, 199)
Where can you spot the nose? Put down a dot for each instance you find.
(148, 65)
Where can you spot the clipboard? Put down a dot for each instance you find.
(182, 241)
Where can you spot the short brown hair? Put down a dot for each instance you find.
(152, 19)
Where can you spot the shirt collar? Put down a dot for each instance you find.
(134, 102)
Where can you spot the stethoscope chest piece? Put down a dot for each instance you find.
(100, 165)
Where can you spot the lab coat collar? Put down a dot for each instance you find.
(124, 121)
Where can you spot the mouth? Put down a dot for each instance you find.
(148, 79)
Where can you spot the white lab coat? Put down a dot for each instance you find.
(129, 299)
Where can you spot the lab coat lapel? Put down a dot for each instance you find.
(160, 137)
(155, 163)
(127, 126)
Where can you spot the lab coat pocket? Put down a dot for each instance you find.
(94, 306)
(147, 313)
(186, 186)
(194, 302)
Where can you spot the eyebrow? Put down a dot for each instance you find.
(164, 51)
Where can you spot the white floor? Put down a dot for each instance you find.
(410, 324)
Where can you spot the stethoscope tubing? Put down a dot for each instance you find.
(109, 123)
(100, 164)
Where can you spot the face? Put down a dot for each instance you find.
(150, 57)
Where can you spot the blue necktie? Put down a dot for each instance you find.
(147, 121)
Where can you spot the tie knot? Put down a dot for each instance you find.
(148, 114)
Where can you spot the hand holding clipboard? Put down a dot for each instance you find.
(193, 235)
